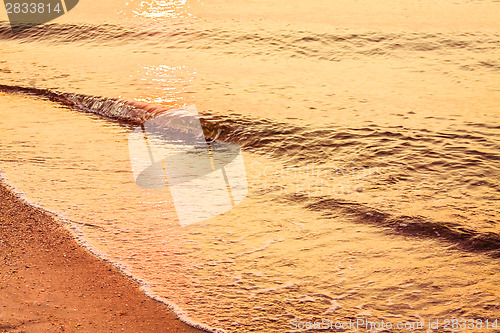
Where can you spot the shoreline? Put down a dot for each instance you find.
(50, 282)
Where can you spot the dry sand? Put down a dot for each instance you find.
(49, 283)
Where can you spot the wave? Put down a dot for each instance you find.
(467, 158)
(416, 226)
(286, 139)
(269, 43)
(70, 33)
(112, 108)
(420, 148)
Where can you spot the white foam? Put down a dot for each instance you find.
(77, 234)
(262, 248)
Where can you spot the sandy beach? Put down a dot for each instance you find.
(49, 283)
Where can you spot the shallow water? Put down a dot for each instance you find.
(370, 135)
(254, 268)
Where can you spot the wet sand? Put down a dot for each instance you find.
(50, 283)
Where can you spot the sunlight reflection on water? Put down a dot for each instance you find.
(162, 9)
(166, 85)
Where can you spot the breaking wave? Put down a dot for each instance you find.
(467, 158)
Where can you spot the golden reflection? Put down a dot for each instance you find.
(166, 85)
(169, 9)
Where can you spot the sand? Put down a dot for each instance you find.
(50, 283)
